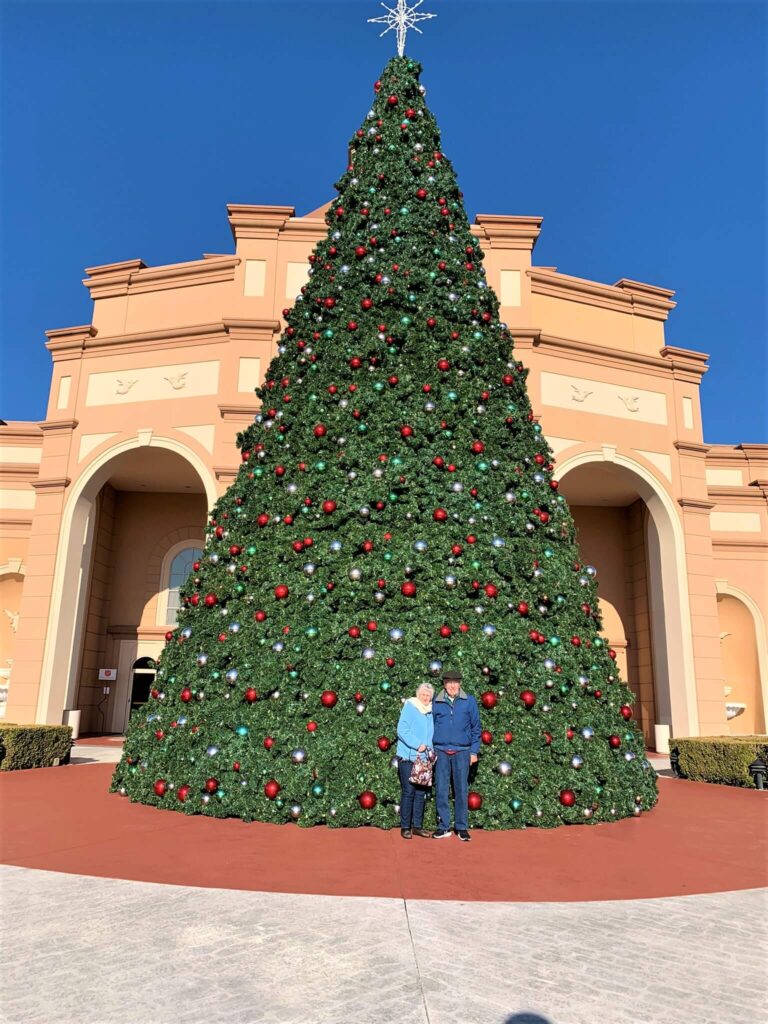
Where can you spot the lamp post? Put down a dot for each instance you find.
(758, 771)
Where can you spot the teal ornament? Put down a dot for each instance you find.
(362, 428)
(251, 550)
(554, 641)
(385, 685)
(548, 552)
(597, 642)
(452, 396)
(483, 467)
(215, 674)
(311, 631)
(378, 386)
(404, 210)
(320, 467)
(328, 332)
(387, 556)
(515, 804)
(293, 674)
(397, 461)
(392, 497)
(258, 472)
(318, 789)
(536, 426)
(220, 794)
(405, 321)
(242, 730)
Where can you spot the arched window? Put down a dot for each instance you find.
(180, 568)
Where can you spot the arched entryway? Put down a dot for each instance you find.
(629, 530)
(143, 674)
(743, 654)
(132, 500)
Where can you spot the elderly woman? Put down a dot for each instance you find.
(414, 738)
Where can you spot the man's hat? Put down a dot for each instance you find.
(452, 674)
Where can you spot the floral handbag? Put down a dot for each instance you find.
(421, 773)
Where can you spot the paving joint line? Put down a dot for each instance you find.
(416, 960)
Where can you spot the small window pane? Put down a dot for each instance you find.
(181, 567)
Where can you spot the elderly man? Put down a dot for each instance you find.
(457, 743)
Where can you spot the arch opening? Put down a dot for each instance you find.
(628, 528)
(108, 576)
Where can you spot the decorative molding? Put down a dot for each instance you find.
(560, 391)
(227, 473)
(169, 337)
(623, 297)
(696, 504)
(69, 342)
(585, 352)
(27, 435)
(52, 485)
(112, 387)
(144, 436)
(691, 448)
(135, 277)
(247, 221)
(13, 567)
(58, 426)
(19, 473)
(238, 412)
(736, 496)
(741, 545)
(16, 523)
(508, 232)
(686, 364)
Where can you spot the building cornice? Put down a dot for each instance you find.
(136, 277)
(686, 364)
(58, 426)
(12, 522)
(242, 413)
(696, 504)
(586, 352)
(53, 484)
(167, 337)
(506, 232)
(247, 221)
(743, 544)
(227, 473)
(18, 472)
(623, 297)
(691, 448)
(737, 495)
(251, 330)
(28, 435)
(68, 342)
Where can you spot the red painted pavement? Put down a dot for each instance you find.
(700, 838)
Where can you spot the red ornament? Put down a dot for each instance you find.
(408, 589)
(508, 737)
(354, 632)
(486, 737)
(320, 430)
(271, 789)
(311, 726)
(210, 600)
(569, 733)
(406, 431)
(186, 695)
(548, 738)
(478, 447)
(383, 743)
(211, 785)
(491, 590)
(576, 641)
(612, 653)
(440, 515)
(489, 699)
(281, 592)
(169, 635)
(329, 507)
(614, 742)
(567, 797)
(444, 365)
(251, 695)
(182, 793)
(328, 699)
(474, 801)
(367, 800)
(445, 632)
(523, 608)
(259, 616)
(268, 743)
(626, 711)
(528, 697)
(160, 787)
(392, 101)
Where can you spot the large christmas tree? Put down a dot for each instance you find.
(395, 515)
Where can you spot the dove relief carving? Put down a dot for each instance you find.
(124, 386)
(179, 381)
(579, 395)
(632, 402)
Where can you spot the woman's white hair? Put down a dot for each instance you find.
(425, 686)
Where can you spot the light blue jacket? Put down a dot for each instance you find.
(413, 729)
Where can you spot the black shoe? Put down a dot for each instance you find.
(442, 833)
(406, 833)
(464, 836)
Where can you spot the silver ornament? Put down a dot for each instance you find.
(298, 756)
(499, 542)
(587, 812)
(202, 660)
(278, 646)
(420, 546)
(232, 675)
(396, 635)
(576, 761)
(335, 546)
(206, 798)
(234, 627)
(590, 570)
(360, 707)
(379, 596)
(435, 667)
(587, 732)
(489, 629)
(295, 811)
(511, 497)
(212, 751)
(504, 768)
(368, 653)
(355, 575)
(451, 581)
(186, 633)
(309, 568)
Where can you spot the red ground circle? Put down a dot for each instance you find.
(699, 839)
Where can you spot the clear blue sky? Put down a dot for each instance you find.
(636, 129)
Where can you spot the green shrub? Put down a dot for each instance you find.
(34, 746)
(723, 759)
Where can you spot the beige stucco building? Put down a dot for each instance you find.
(104, 502)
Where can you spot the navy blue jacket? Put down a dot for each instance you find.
(457, 725)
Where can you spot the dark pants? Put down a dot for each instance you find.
(452, 768)
(411, 797)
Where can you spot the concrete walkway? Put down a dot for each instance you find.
(83, 950)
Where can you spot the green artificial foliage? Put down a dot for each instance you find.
(33, 746)
(397, 486)
(722, 759)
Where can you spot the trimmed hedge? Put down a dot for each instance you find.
(34, 746)
(722, 759)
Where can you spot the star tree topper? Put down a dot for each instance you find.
(402, 17)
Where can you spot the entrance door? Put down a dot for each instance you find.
(136, 672)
